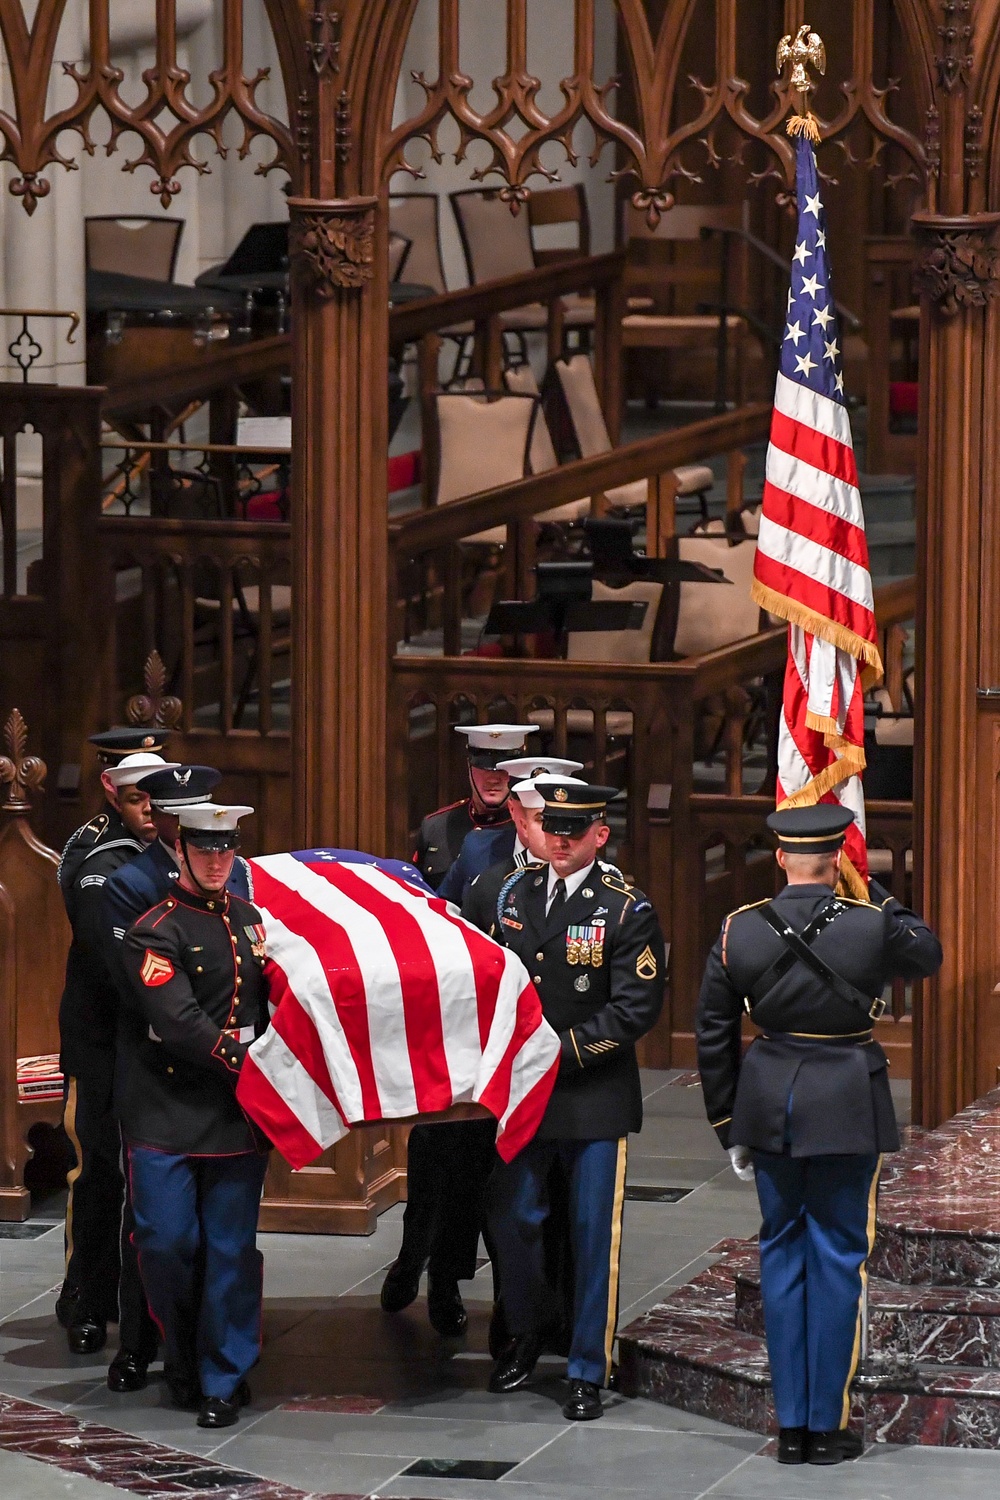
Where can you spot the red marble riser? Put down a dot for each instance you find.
(930, 1257)
(908, 1325)
(883, 1410)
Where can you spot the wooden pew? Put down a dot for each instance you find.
(34, 941)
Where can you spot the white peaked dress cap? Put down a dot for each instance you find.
(133, 768)
(212, 817)
(529, 766)
(528, 794)
(496, 736)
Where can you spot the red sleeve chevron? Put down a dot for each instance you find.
(811, 564)
(386, 1005)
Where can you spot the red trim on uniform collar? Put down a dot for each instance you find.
(214, 904)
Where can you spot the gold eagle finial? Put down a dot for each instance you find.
(804, 51)
(807, 47)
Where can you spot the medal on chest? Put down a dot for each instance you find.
(255, 932)
(585, 944)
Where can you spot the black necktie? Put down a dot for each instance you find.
(558, 899)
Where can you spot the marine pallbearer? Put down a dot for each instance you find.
(101, 1282)
(594, 949)
(808, 1109)
(443, 832)
(195, 964)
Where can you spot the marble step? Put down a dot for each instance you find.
(907, 1324)
(688, 1352)
(939, 1205)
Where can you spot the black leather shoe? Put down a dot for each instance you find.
(400, 1287)
(584, 1402)
(792, 1445)
(184, 1389)
(66, 1303)
(127, 1372)
(446, 1309)
(86, 1336)
(834, 1447)
(514, 1367)
(218, 1412)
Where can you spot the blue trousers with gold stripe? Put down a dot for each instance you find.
(519, 1206)
(817, 1232)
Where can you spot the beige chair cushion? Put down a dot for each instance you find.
(482, 445)
(398, 246)
(894, 731)
(416, 217)
(618, 645)
(880, 862)
(576, 376)
(711, 616)
(694, 479)
(521, 379)
(618, 722)
(498, 241)
(134, 246)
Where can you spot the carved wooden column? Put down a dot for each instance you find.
(957, 1018)
(340, 338)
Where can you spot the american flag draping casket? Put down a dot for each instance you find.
(385, 1004)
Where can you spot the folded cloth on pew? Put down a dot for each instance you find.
(385, 1005)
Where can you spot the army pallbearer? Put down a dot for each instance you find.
(195, 963)
(101, 1281)
(808, 1109)
(594, 949)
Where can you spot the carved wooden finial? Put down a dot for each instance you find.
(20, 773)
(155, 707)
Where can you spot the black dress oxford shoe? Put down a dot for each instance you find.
(446, 1309)
(584, 1403)
(792, 1445)
(400, 1287)
(66, 1304)
(127, 1372)
(85, 1335)
(834, 1447)
(216, 1411)
(514, 1367)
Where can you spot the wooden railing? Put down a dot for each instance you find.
(635, 727)
(438, 532)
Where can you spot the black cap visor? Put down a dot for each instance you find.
(211, 840)
(487, 760)
(569, 825)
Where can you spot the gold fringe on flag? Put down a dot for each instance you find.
(850, 882)
(826, 630)
(806, 125)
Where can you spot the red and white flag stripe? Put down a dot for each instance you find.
(811, 564)
(386, 1005)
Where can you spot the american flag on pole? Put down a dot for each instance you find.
(811, 565)
(385, 1004)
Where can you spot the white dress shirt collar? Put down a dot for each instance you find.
(573, 883)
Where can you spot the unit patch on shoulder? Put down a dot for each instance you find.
(645, 965)
(155, 969)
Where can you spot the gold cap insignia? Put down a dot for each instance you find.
(561, 794)
(645, 965)
(148, 741)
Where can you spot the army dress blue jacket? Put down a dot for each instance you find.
(598, 966)
(815, 1083)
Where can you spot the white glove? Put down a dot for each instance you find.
(742, 1163)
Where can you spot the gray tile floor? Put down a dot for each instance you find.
(326, 1338)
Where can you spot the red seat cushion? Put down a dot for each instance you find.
(903, 398)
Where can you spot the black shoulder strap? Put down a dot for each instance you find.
(798, 946)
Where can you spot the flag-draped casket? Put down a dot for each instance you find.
(385, 1005)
